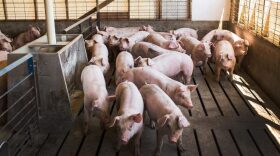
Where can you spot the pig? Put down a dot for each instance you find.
(166, 35)
(98, 38)
(99, 53)
(5, 43)
(96, 99)
(129, 119)
(126, 43)
(179, 93)
(113, 40)
(158, 40)
(199, 51)
(124, 62)
(29, 35)
(145, 49)
(168, 117)
(240, 45)
(170, 64)
(123, 32)
(184, 32)
(104, 34)
(225, 59)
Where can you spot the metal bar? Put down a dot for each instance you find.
(50, 21)
(78, 23)
(100, 6)
(15, 64)
(4, 112)
(17, 114)
(21, 81)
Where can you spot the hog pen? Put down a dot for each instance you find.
(41, 95)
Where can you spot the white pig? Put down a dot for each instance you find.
(158, 40)
(96, 99)
(126, 43)
(225, 59)
(148, 50)
(184, 32)
(179, 93)
(124, 62)
(166, 35)
(170, 64)
(168, 117)
(99, 53)
(129, 119)
(199, 51)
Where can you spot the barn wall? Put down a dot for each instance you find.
(262, 63)
(210, 10)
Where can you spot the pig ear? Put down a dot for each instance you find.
(97, 29)
(136, 118)
(183, 122)
(192, 87)
(102, 61)
(162, 121)
(230, 57)
(111, 98)
(115, 37)
(113, 122)
(246, 42)
(150, 62)
(181, 43)
(173, 45)
(137, 60)
(201, 46)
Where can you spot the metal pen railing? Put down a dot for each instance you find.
(20, 116)
(85, 23)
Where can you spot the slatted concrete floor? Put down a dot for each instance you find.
(228, 118)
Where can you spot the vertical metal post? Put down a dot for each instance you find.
(50, 21)
(97, 14)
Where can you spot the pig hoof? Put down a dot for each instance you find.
(157, 154)
(152, 125)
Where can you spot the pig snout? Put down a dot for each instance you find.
(188, 104)
(125, 138)
(173, 139)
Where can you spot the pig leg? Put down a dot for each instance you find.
(218, 71)
(137, 142)
(87, 114)
(231, 74)
(159, 143)
(204, 65)
(180, 145)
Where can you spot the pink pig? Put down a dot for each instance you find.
(168, 117)
(225, 59)
(126, 43)
(99, 53)
(124, 62)
(29, 35)
(170, 64)
(148, 50)
(165, 35)
(96, 99)
(129, 119)
(199, 51)
(184, 32)
(158, 40)
(179, 93)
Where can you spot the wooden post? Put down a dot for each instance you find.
(5, 9)
(67, 9)
(35, 9)
(97, 14)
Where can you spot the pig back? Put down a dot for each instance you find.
(189, 43)
(146, 50)
(99, 49)
(157, 102)
(129, 98)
